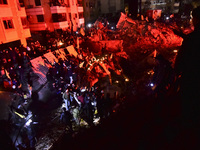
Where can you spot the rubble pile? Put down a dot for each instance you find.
(144, 35)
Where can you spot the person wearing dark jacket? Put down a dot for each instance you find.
(66, 118)
(187, 67)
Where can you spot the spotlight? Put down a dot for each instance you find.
(151, 84)
(175, 51)
(89, 25)
(126, 79)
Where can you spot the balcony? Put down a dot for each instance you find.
(58, 9)
(38, 27)
(22, 12)
(5, 12)
(27, 32)
(35, 11)
(60, 25)
(81, 21)
(80, 9)
(176, 4)
(11, 35)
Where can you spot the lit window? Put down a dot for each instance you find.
(3, 2)
(8, 24)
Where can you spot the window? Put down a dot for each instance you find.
(81, 15)
(112, 9)
(98, 3)
(80, 3)
(8, 24)
(21, 2)
(91, 4)
(40, 18)
(59, 17)
(70, 17)
(91, 15)
(3, 2)
(24, 22)
(37, 3)
(76, 15)
(121, 2)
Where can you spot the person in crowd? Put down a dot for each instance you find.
(66, 119)
(76, 114)
(101, 105)
(87, 108)
(187, 67)
(66, 99)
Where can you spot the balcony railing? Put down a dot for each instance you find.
(58, 9)
(38, 27)
(35, 11)
(80, 9)
(58, 4)
(60, 25)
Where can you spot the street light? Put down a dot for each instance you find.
(175, 51)
(126, 79)
(89, 25)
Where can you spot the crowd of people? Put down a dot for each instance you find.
(70, 78)
(71, 74)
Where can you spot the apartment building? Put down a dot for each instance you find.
(95, 8)
(14, 28)
(54, 14)
(167, 6)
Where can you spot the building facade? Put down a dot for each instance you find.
(95, 8)
(54, 14)
(167, 6)
(14, 28)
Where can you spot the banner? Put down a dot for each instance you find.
(60, 54)
(40, 68)
(51, 57)
(72, 51)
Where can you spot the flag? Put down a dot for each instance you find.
(72, 51)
